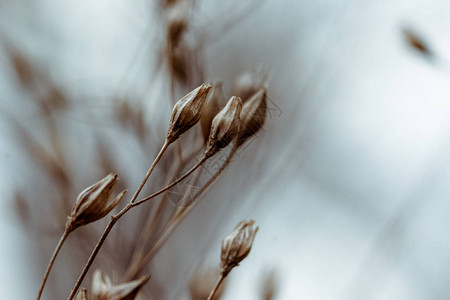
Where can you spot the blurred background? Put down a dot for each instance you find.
(348, 180)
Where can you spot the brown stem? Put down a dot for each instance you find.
(217, 286)
(115, 218)
(150, 170)
(52, 260)
(99, 244)
(173, 183)
(175, 221)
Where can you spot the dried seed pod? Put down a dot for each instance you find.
(104, 289)
(225, 127)
(249, 82)
(94, 203)
(212, 106)
(237, 245)
(253, 116)
(186, 112)
(203, 282)
(82, 295)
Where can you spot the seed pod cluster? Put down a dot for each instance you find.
(94, 203)
(237, 245)
(224, 127)
(186, 112)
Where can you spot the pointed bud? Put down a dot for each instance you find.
(186, 112)
(237, 245)
(253, 116)
(103, 289)
(94, 203)
(224, 127)
(82, 295)
(214, 102)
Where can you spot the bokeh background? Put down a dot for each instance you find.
(348, 181)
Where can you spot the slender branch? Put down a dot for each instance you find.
(172, 184)
(115, 218)
(52, 260)
(94, 253)
(176, 220)
(152, 221)
(217, 286)
(150, 170)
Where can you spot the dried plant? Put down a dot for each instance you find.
(185, 148)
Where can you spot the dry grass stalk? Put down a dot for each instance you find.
(183, 62)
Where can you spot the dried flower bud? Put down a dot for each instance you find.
(249, 82)
(82, 295)
(253, 116)
(237, 245)
(94, 203)
(212, 106)
(203, 282)
(225, 126)
(186, 112)
(103, 289)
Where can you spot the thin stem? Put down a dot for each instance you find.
(176, 220)
(150, 170)
(173, 183)
(52, 260)
(115, 218)
(217, 286)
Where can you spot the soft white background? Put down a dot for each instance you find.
(379, 154)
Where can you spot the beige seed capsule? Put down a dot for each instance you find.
(253, 116)
(237, 245)
(94, 203)
(186, 112)
(224, 127)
